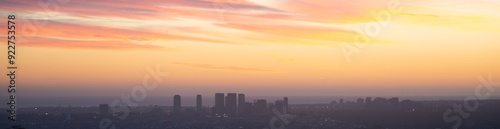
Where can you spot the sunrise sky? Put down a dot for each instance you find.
(258, 47)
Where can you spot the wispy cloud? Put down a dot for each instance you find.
(89, 44)
(87, 36)
(230, 68)
(298, 22)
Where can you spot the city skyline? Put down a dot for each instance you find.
(191, 100)
(204, 101)
(233, 110)
(377, 114)
(294, 48)
(196, 101)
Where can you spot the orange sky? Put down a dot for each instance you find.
(259, 47)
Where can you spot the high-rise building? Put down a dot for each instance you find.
(177, 103)
(219, 104)
(231, 107)
(380, 102)
(341, 101)
(393, 102)
(241, 104)
(103, 109)
(285, 101)
(198, 103)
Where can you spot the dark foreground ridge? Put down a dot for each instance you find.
(231, 111)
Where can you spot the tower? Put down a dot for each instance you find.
(177, 103)
(219, 104)
(241, 104)
(198, 103)
(231, 107)
(285, 102)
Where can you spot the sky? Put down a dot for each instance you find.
(256, 47)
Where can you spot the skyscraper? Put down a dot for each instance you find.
(368, 100)
(285, 101)
(341, 101)
(198, 103)
(393, 102)
(380, 102)
(219, 104)
(231, 106)
(177, 103)
(241, 104)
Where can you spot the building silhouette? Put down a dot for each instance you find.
(241, 104)
(380, 103)
(393, 102)
(177, 103)
(285, 102)
(198, 103)
(231, 107)
(219, 104)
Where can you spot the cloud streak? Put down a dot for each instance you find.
(229, 68)
(89, 44)
(297, 22)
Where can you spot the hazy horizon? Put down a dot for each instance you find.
(92, 101)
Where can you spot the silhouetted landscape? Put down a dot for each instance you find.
(231, 111)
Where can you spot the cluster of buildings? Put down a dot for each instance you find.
(368, 100)
(231, 110)
(232, 104)
(226, 105)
